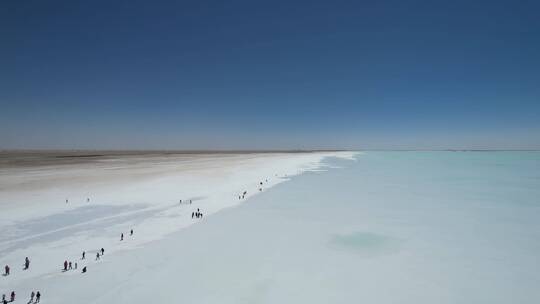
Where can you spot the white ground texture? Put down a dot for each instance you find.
(142, 194)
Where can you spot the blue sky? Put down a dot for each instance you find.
(269, 75)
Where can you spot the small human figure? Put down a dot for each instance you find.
(6, 270)
(97, 256)
(66, 201)
(70, 266)
(3, 298)
(26, 263)
(180, 201)
(192, 214)
(65, 265)
(87, 199)
(38, 297)
(102, 251)
(32, 295)
(131, 232)
(83, 255)
(84, 269)
(190, 202)
(122, 237)
(12, 296)
(75, 265)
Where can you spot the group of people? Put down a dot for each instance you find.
(87, 200)
(243, 195)
(69, 265)
(189, 202)
(197, 214)
(7, 271)
(122, 235)
(36, 295)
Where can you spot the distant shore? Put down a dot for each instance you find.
(30, 158)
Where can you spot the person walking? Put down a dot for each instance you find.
(38, 297)
(102, 251)
(70, 266)
(26, 263)
(75, 265)
(84, 269)
(97, 256)
(6, 270)
(131, 232)
(12, 296)
(32, 295)
(65, 265)
(122, 237)
(83, 255)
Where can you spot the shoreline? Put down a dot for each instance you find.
(142, 195)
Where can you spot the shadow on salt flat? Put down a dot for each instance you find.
(58, 226)
(365, 244)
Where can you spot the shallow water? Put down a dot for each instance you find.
(407, 227)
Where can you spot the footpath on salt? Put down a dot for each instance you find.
(53, 212)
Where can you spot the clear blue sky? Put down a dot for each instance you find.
(269, 75)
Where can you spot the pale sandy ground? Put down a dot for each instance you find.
(140, 192)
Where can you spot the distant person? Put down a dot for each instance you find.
(75, 265)
(70, 266)
(84, 269)
(12, 296)
(66, 201)
(87, 200)
(97, 256)
(32, 295)
(131, 232)
(192, 214)
(102, 251)
(26, 263)
(6, 270)
(83, 255)
(38, 297)
(180, 201)
(122, 237)
(4, 298)
(190, 202)
(65, 265)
